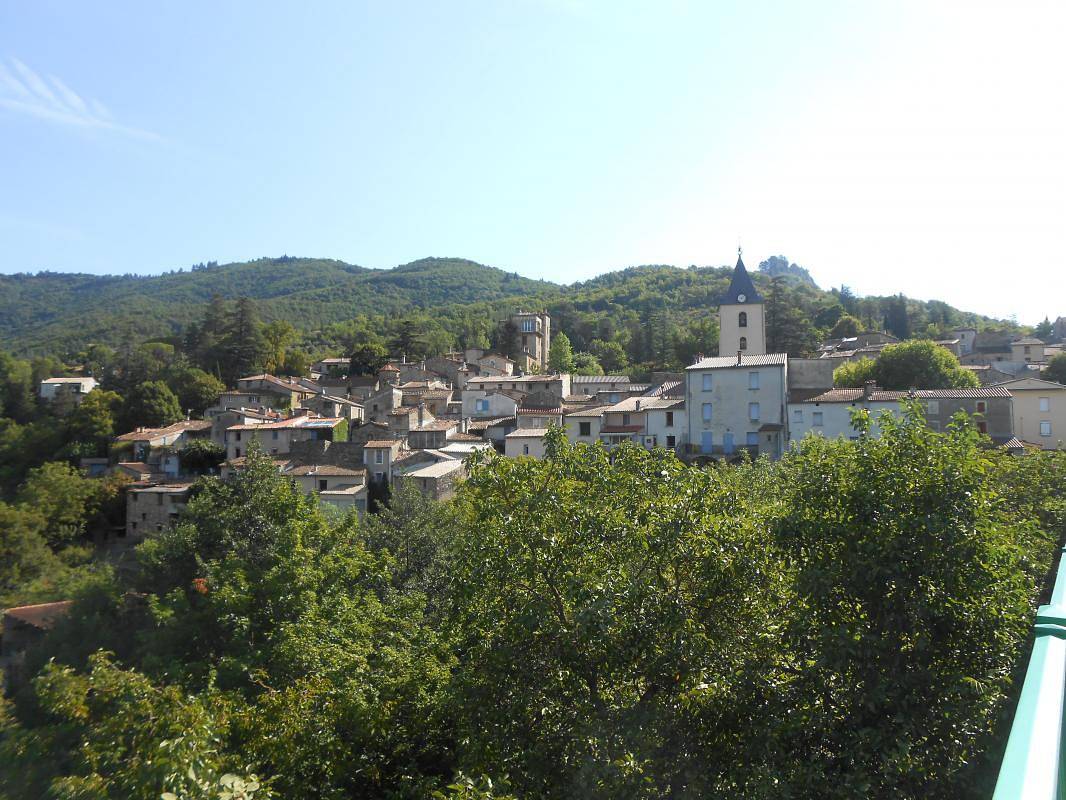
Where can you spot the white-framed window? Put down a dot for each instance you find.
(797, 415)
(707, 410)
(753, 380)
(706, 381)
(753, 411)
(1045, 428)
(1045, 403)
(817, 419)
(379, 456)
(529, 326)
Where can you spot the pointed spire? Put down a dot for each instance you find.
(741, 285)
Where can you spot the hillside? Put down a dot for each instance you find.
(56, 313)
(59, 313)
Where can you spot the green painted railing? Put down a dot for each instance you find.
(1033, 764)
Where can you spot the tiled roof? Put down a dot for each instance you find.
(382, 443)
(487, 422)
(437, 425)
(645, 403)
(302, 421)
(400, 411)
(459, 436)
(513, 379)
(880, 396)
(527, 433)
(437, 469)
(723, 362)
(156, 433)
(1028, 340)
(599, 379)
(325, 470)
(535, 411)
(588, 412)
(42, 616)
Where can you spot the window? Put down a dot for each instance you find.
(753, 439)
(585, 428)
(743, 342)
(1045, 404)
(625, 419)
(379, 476)
(671, 442)
(237, 452)
(817, 422)
(742, 319)
(669, 419)
(707, 412)
(753, 380)
(379, 457)
(322, 485)
(481, 405)
(238, 436)
(707, 381)
(932, 407)
(1045, 428)
(980, 406)
(529, 325)
(797, 415)
(375, 406)
(273, 434)
(525, 449)
(753, 411)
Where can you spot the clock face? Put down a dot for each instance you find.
(742, 297)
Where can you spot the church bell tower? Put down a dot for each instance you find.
(741, 316)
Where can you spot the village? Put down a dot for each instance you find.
(351, 439)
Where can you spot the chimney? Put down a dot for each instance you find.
(638, 404)
(698, 359)
(464, 424)
(868, 388)
(739, 356)
(421, 412)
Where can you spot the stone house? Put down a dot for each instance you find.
(1039, 411)
(736, 402)
(525, 442)
(277, 438)
(153, 508)
(69, 390)
(829, 414)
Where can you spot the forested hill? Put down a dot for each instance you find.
(50, 312)
(59, 314)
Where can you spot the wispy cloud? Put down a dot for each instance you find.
(47, 97)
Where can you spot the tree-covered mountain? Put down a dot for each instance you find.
(655, 313)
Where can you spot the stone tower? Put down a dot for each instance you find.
(741, 316)
(534, 337)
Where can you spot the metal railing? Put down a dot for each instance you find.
(1032, 767)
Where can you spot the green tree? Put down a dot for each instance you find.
(63, 497)
(368, 359)
(787, 329)
(920, 365)
(583, 584)
(1056, 369)
(277, 337)
(1044, 330)
(897, 317)
(24, 553)
(243, 347)
(912, 597)
(586, 364)
(92, 422)
(561, 355)
(17, 388)
(845, 327)
(196, 390)
(152, 404)
(611, 355)
(854, 374)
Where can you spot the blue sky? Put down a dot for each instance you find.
(893, 146)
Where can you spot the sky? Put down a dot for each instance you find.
(915, 147)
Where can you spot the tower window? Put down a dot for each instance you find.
(743, 342)
(743, 319)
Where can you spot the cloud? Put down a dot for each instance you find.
(24, 91)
